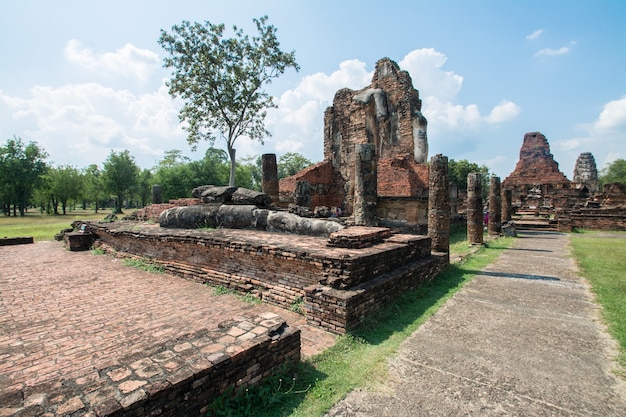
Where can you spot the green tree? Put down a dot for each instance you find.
(291, 163)
(21, 170)
(615, 172)
(221, 80)
(120, 176)
(458, 170)
(213, 168)
(93, 187)
(65, 183)
(246, 175)
(177, 177)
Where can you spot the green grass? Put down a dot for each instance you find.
(44, 226)
(359, 359)
(602, 261)
(248, 298)
(143, 265)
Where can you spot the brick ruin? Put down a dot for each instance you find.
(338, 270)
(538, 186)
(536, 180)
(387, 116)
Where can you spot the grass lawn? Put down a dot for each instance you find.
(602, 261)
(44, 226)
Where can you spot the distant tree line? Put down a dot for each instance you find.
(29, 180)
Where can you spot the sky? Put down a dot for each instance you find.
(84, 78)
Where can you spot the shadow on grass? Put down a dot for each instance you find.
(356, 357)
(278, 395)
(404, 312)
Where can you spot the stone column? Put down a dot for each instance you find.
(439, 204)
(495, 207)
(365, 185)
(474, 209)
(507, 203)
(269, 176)
(157, 194)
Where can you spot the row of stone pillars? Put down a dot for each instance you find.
(499, 212)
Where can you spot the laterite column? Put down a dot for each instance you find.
(474, 209)
(495, 207)
(507, 198)
(269, 176)
(439, 204)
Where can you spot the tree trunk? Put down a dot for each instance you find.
(233, 166)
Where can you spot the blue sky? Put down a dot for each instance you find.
(83, 78)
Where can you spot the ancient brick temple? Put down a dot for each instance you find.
(537, 181)
(386, 114)
(537, 184)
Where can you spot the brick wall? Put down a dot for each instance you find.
(593, 219)
(324, 186)
(340, 311)
(180, 377)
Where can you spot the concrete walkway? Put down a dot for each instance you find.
(522, 339)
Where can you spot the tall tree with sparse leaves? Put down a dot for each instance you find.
(221, 80)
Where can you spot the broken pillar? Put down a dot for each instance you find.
(365, 185)
(494, 226)
(507, 203)
(302, 194)
(269, 176)
(474, 209)
(157, 194)
(439, 204)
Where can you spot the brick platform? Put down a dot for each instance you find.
(82, 334)
(339, 286)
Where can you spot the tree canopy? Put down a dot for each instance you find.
(615, 172)
(221, 80)
(21, 169)
(458, 170)
(291, 163)
(65, 183)
(120, 176)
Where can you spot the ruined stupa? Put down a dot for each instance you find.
(536, 180)
(385, 114)
(586, 173)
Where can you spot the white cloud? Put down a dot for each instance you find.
(546, 52)
(425, 65)
(534, 35)
(503, 112)
(128, 61)
(613, 115)
(297, 125)
(81, 123)
(605, 137)
(449, 115)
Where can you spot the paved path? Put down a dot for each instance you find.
(522, 339)
(64, 314)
